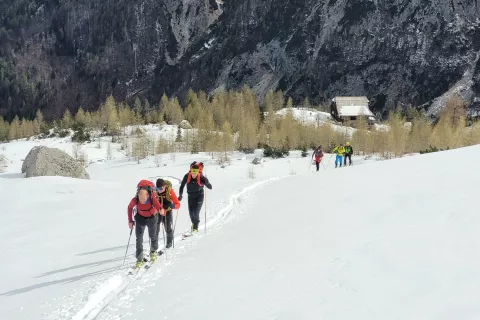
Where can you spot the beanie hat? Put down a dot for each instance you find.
(160, 183)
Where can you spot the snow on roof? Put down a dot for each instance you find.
(352, 106)
(352, 111)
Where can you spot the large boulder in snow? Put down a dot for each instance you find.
(257, 160)
(43, 161)
(185, 124)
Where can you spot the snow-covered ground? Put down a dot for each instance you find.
(307, 115)
(314, 117)
(383, 240)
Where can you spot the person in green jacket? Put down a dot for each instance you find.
(348, 154)
(340, 151)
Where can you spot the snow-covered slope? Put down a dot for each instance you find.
(307, 115)
(286, 244)
(391, 240)
(314, 117)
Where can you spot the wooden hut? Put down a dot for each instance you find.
(350, 109)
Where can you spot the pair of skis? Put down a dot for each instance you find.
(148, 263)
(145, 266)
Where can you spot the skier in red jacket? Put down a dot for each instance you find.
(146, 206)
(318, 153)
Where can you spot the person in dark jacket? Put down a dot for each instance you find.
(195, 181)
(170, 202)
(348, 154)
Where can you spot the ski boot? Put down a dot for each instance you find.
(153, 256)
(139, 264)
(169, 239)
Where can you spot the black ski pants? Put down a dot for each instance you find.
(140, 224)
(349, 156)
(195, 203)
(168, 226)
(318, 165)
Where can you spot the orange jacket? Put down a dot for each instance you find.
(167, 203)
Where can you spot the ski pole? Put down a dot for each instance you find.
(205, 211)
(329, 161)
(128, 244)
(174, 226)
(323, 164)
(164, 237)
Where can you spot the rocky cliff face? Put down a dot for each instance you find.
(70, 53)
(396, 52)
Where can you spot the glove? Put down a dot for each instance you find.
(180, 198)
(172, 205)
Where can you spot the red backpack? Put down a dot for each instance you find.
(200, 165)
(146, 185)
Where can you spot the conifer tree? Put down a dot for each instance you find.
(269, 100)
(289, 103)
(278, 100)
(88, 120)
(360, 136)
(66, 120)
(112, 125)
(443, 133)
(163, 106)
(139, 110)
(80, 117)
(226, 140)
(38, 123)
(419, 135)
(4, 129)
(397, 135)
(14, 130)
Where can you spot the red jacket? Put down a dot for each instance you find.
(144, 209)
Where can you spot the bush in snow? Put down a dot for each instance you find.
(432, 149)
(3, 163)
(257, 161)
(304, 152)
(275, 152)
(109, 152)
(80, 135)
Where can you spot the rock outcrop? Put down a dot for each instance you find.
(43, 161)
(185, 124)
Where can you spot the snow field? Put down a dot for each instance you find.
(366, 242)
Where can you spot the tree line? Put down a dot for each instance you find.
(234, 120)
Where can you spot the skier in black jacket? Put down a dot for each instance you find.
(195, 181)
(348, 154)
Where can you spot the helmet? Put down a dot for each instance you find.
(347, 144)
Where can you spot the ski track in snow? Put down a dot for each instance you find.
(112, 288)
(112, 284)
